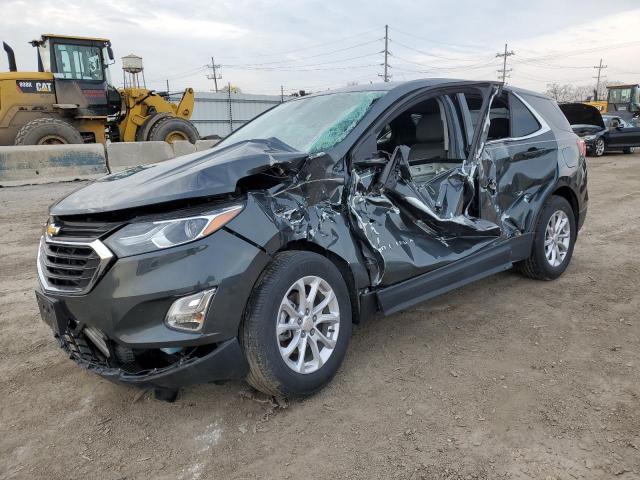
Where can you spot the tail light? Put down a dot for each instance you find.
(582, 147)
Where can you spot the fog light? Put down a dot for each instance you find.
(188, 313)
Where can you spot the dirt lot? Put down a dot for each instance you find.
(507, 378)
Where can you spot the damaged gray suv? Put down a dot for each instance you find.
(253, 259)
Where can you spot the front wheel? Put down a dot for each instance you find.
(172, 129)
(297, 325)
(629, 150)
(599, 147)
(553, 241)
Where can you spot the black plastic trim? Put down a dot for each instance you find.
(467, 270)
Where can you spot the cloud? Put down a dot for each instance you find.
(177, 39)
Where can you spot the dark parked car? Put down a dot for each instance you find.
(601, 133)
(253, 259)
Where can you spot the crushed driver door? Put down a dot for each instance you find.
(408, 228)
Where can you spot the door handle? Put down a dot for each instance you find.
(530, 153)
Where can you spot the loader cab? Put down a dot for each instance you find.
(80, 68)
(624, 100)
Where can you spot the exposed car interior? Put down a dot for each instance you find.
(426, 129)
(436, 146)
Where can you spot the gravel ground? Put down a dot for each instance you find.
(506, 378)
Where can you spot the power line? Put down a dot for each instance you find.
(176, 76)
(310, 47)
(430, 40)
(302, 69)
(329, 62)
(306, 57)
(504, 70)
(395, 42)
(432, 67)
(572, 53)
(538, 64)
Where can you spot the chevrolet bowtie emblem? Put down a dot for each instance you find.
(52, 229)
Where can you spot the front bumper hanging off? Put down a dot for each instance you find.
(221, 361)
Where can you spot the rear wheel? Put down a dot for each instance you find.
(599, 147)
(297, 325)
(172, 129)
(47, 131)
(553, 241)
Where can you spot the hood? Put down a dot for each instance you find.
(200, 174)
(582, 114)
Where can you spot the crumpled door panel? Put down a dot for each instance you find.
(411, 229)
(408, 230)
(523, 173)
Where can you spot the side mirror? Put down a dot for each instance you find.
(110, 53)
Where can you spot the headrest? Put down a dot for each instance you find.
(430, 129)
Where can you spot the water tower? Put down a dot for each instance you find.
(131, 70)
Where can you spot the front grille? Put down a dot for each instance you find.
(71, 267)
(83, 230)
(68, 266)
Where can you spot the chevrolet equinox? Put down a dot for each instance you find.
(253, 259)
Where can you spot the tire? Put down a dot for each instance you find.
(598, 149)
(629, 150)
(269, 372)
(170, 129)
(47, 131)
(538, 266)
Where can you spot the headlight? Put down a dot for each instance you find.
(590, 137)
(142, 237)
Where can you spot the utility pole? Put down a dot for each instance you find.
(599, 68)
(386, 76)
(167, 85)
(503, 72)
(215, 76)
(281, 94)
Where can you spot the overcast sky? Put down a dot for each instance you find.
(316, 45)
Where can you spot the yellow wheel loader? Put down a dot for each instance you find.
(71, 99)
(622, 100)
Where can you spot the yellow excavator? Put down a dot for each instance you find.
(71, 99)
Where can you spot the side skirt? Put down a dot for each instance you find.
(495, 259)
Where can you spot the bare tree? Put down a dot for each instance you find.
(560, 93)
(234, 89)
(577, 93)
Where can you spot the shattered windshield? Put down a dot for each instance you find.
(311, 124)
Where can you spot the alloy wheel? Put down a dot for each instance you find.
(308, 324)
(600, 147)
(557, 238)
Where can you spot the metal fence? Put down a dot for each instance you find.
(222, 113)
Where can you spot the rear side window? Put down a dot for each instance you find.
(550, 111)
(523, 122)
